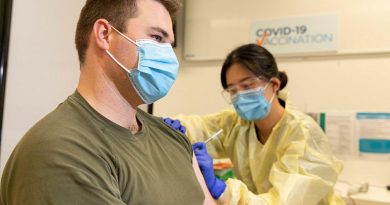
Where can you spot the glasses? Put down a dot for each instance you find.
(247, 84)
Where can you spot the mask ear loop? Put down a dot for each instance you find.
(112, 56)
(124, 36)
(266, 86)
(273, 96)
(127, 71)
(117, 62)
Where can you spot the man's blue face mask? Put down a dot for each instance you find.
(251, 104)
(157, 68)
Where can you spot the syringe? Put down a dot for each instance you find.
(213, 136)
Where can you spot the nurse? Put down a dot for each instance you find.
(280, 155)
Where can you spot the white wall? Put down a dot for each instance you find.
(316, 84)
(215, 27)
(42, 68)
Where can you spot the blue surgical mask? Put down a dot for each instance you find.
(251, 104)
(157, 69)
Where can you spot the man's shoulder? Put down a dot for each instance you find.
(164, 132)
(64, 123)
(153, 122)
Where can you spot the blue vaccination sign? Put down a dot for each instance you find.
(373, 132)
(298, 35)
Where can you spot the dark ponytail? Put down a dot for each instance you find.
(283, 79)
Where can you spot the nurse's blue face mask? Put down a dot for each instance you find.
(252, 104)
(157, 68)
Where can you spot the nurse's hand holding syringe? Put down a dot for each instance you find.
(216, 186)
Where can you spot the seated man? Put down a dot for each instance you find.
(97, 147)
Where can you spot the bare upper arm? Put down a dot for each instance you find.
(208, 198)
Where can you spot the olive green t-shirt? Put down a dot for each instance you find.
(76, 156)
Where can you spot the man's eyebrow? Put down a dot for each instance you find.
(162, 31)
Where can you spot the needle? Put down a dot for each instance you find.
(213, 136)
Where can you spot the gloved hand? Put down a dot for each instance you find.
(175, 124)
(216, 186)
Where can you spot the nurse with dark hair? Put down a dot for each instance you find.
(280, 155)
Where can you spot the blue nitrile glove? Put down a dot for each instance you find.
(175, 124)
(216, 186)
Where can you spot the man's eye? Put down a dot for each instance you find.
(157, 38)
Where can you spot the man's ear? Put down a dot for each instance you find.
(101, 33)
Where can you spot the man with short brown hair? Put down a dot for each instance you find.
(97, 147)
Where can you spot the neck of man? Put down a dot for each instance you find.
(102, 94)
(266, 125)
